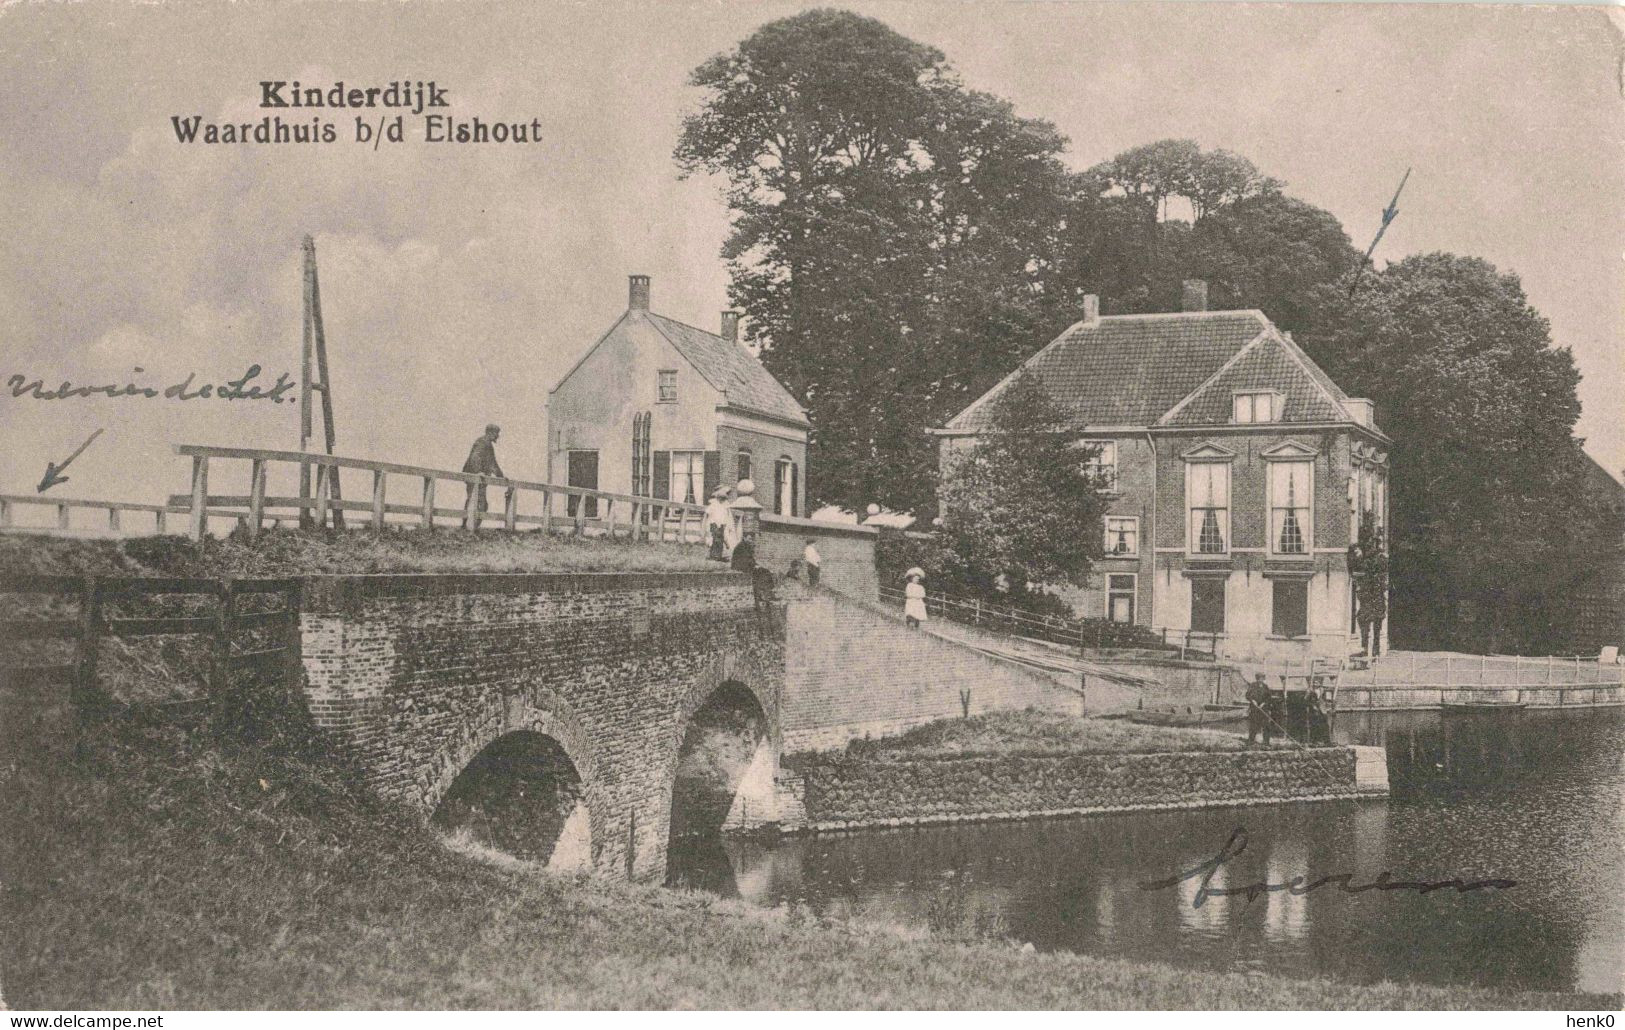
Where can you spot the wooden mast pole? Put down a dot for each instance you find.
(313, 367)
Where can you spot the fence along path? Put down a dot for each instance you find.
(569, 509)
(97, 618)
(585, 511)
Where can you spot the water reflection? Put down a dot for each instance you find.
(1533, 796)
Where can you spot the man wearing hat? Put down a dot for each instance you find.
(482, 460)
(1258, 716)
(717, 517)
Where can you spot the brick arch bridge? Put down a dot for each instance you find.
(411, 677)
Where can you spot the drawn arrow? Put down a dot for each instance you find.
(53, 471)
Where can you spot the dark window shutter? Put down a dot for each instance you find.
(662, 483)
(713, 473)
(1207, 605)
(795, 494)
(744, 466)
(1291, 614)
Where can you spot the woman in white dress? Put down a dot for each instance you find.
(914, 598)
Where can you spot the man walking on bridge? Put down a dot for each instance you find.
(1258, 716)
(482, 460)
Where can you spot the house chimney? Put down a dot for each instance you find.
(730, 326)
(1091, 308)
(1363, 410)
(1195, 295)
(637, 292)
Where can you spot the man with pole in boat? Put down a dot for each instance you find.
(1258, 718)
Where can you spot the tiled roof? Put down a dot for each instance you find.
(1130, 370)
(1267, 365)
(1127, 370)
(731, 369)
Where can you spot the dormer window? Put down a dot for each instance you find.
(1257, 406)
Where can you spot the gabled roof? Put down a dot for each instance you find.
(1174, 370)
(1267, 363)
(731, 369)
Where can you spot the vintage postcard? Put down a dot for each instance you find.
(735, 506)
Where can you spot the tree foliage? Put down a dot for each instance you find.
(1019, 506)
(891, 235)
(1489, 486)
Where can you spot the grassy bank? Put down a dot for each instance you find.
(1034, 732)
(164, 873)
(291, 552)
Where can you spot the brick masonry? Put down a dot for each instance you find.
(413, 676)
(839, 792)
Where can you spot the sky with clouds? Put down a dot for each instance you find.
(459, 281)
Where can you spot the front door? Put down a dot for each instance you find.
(583, 473)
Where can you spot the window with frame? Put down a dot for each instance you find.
(687, 476)
(1102, 463)
(743, 467)
(1207, 604)
(1257, 406)
(1207, 492)
(784, 487)
(668, 385)
(1292, 494)
(1120, 590)
(1122, 536)
(1290, 615)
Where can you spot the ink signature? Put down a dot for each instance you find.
(238, 389)
(1298, 885)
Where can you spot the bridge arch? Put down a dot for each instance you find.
(535, 714)
(724, 759)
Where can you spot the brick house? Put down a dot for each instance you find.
(657, 408)
(1239, 470)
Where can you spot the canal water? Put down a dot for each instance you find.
(1533, 796)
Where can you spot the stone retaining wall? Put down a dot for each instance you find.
(838, 793)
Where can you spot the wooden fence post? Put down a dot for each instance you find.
(5, 513)
(428, 502)
(256, 497)
(324, 493)
(510, 509)
(220, 650)
(62, 516)
(470, 511)
(200, 497)
(160, 521)
(112, 519)
(378, 485)
(547, 513)
(85, 695)
(609, 517)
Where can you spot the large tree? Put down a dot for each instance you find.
(892, 234)
(1489, 485)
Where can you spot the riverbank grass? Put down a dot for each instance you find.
(296, 552)
(167, 872)
(1032, 732)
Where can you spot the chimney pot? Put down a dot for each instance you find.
(1195, 295)
(1091, 308)
(730, 326)
(637, 292)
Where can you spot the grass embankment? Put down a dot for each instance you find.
(288, 552)
(1041, 733)
(163, 872)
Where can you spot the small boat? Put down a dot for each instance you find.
(1483, 706)
(1208, 715)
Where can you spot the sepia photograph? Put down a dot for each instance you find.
(895, 505)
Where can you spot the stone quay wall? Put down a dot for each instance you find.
(838, 792)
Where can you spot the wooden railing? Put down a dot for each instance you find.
(584, 512)
(98, 616)
(64, 506)
(974, 611)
